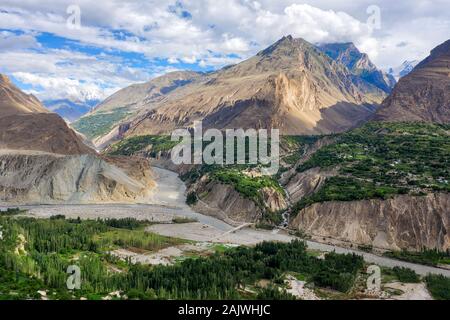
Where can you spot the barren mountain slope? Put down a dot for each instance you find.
(359, 64)
(30, 177)
(403, 222)
(424, 94)
(41, 131)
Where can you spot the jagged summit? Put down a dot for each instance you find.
(406, 67)
(291, 85)
(424, 94)
(288, 53)
(349, 55)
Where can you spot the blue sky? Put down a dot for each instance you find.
(120, 42)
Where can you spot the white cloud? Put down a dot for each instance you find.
(11, 41)
(58, 74)
(190, 60)
(63, 88)
(241, 27)
(418, 37)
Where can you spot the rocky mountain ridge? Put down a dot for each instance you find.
(291, 85)
(359, 64)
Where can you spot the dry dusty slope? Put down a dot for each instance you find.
(42, 160)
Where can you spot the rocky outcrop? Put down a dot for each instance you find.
(224, 202)
(404, 222)
(424, 94)
(42, 160)
(273, 200)
(33, 177)
(301, 184)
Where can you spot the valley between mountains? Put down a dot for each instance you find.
(364, 179)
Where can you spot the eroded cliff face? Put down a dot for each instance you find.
(224, 202)
(303, 184)
(33, 177)
(404, 222)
